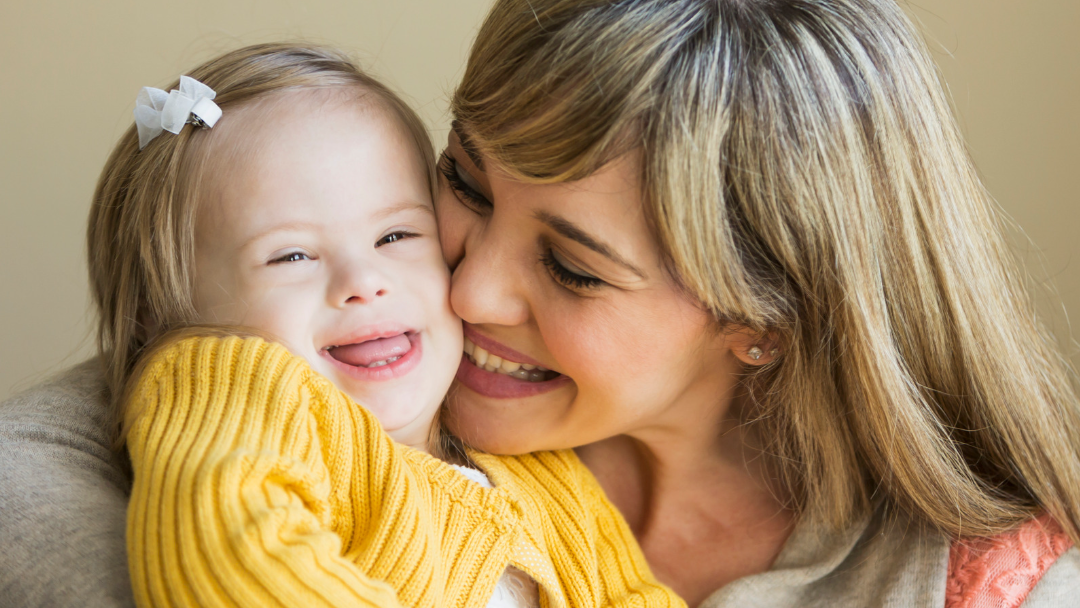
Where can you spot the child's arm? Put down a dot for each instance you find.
(593, 551)
(624, 573)
(231, 504)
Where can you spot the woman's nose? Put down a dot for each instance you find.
(489, 280)
(358, 284)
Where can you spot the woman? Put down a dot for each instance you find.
(790, 342)
(749, 236)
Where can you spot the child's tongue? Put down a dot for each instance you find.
(366, 353)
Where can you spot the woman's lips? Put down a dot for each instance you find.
(498, 349)
(513, 375)
(501, 386)
(404, 363)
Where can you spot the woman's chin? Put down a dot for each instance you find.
(501, 426)
(488, 440)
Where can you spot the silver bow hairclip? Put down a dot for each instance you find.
(157, 111)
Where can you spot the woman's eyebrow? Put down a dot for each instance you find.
(571, 231)
(467, 145)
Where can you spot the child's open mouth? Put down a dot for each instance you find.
(372, 353)
(378, 358)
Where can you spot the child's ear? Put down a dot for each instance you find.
(751, 347)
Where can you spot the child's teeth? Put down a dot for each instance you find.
(384, 362)
(494, 363)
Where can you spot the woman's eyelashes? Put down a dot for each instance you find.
(562, 271)
(566, 273)
(459, 183)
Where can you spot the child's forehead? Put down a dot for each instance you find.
(313, 157)
(293, 121)
(269, 116)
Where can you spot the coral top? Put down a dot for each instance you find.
(1000, 571)
(258, 483)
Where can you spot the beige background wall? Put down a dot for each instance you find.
(69, 73)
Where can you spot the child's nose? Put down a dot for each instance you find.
(359, 285)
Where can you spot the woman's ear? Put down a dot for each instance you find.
(753, 348)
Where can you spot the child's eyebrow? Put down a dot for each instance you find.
(296, 226)
(402, 207)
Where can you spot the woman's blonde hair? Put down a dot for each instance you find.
(140, 238)
(806, 179)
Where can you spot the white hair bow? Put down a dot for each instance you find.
(157, 111)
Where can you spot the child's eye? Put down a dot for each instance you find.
(393, 237)
(292, 256)
(467, 194)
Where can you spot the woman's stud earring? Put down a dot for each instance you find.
(755, 353)
(774, 352)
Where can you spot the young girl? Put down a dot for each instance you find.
(299, 205)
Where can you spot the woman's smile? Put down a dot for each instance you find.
(495, 370)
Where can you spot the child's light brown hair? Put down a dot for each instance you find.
(141, 233)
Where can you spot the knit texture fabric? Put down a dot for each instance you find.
(258, 483)
(1000, 571)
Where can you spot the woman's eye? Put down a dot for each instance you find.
(459, 183)
(567, 273)
(393, 237)
(293, 256)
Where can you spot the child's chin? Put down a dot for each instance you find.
(401, 405)
(402, 418)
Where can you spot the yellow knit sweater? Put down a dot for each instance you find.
(259, 483)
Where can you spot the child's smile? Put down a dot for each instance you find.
(376, 353)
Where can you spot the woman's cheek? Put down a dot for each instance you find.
(648, 346)
(597, 349)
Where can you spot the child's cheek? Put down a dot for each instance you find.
(271, 306)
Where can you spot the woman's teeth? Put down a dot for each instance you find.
(493, 363)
